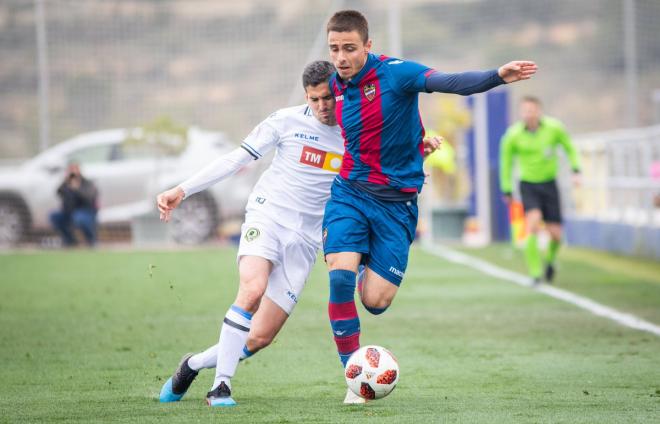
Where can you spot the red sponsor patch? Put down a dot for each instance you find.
(312, 156)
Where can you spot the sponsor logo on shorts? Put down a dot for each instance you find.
(321, 159)
(396, 272)
(292, 296)
(325, 235)
(252, 233)
(260, 200)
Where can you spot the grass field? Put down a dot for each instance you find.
(91, 337)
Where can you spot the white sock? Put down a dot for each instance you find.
(206, 359)
(233, 336)
(209, 358)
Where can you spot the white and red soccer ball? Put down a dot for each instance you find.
(372, 372)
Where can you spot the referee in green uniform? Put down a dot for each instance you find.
(533, 143)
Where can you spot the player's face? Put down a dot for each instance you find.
(530, 113)
(348, 52)
(322, 102)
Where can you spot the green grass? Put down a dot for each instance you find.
(628, 284)
(91, 337)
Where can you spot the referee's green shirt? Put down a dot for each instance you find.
(536, 152)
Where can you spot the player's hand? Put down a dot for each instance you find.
(507, 198)
(168, 200)
(431, 144)
(517, 70)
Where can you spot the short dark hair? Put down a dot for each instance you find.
(317, 72)
(531, 99)
(349, 20)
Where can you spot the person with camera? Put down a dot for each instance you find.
(79, 206)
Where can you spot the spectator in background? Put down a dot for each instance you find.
(78, 196)
(533, 143)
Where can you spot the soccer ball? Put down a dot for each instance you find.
(372, 372)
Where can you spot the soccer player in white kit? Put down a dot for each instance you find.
(282, 230)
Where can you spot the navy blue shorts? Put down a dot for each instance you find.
(356, 221)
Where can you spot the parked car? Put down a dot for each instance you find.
(128, 177)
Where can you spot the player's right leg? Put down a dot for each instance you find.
(253, 273)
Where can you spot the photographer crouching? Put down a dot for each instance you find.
(79, 206)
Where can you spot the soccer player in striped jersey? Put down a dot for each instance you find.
(371, 216)
(282, 231)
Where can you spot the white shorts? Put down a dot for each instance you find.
(292, 256)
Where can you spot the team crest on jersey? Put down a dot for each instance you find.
(370, 91)
(252, 233)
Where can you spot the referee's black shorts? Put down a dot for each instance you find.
(542, 196)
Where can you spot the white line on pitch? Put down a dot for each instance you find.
(595, 308)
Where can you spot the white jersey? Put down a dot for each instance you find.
(293, 191)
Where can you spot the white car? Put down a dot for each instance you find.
(128, 178)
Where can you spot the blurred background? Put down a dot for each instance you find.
(142, 93)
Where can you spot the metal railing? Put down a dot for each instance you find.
(620, 178)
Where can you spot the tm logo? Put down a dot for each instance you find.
(396, 272)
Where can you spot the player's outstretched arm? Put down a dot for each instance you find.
(221, 168)
(518, 70)
(472, 82)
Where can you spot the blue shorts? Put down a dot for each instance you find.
(356, 221)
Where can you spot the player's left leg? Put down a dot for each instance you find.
(376, 292)
(266, 323)
(389, 247)
(177, 385)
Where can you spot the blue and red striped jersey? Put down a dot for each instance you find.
(378, 113)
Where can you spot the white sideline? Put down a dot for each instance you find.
(595, 308)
